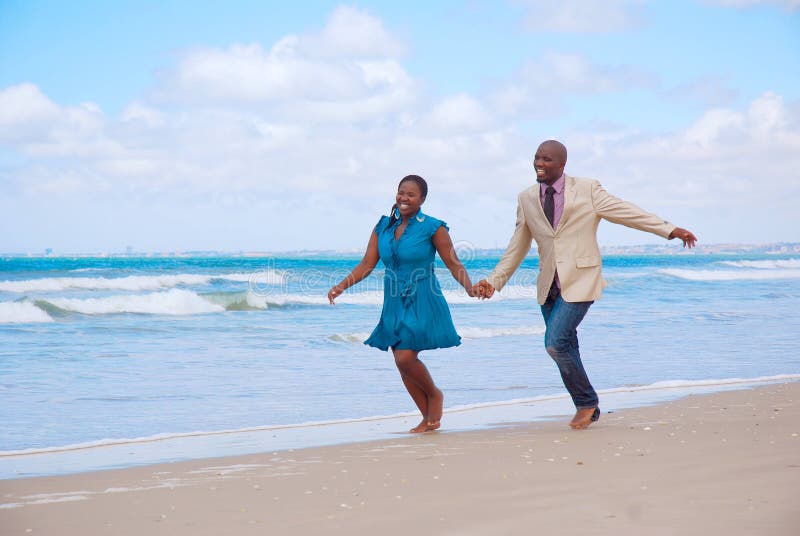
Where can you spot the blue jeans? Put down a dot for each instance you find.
(561, 319)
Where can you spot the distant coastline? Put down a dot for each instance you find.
(775, 248)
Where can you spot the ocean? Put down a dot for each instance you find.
(130, 350)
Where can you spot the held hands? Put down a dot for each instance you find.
(482, 290)
(687, 237)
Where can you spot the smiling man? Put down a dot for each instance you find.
(562, 213)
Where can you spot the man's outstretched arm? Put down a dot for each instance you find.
(626, 213)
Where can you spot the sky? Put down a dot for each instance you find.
(280, 126)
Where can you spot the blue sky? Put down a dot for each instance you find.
(282, 126)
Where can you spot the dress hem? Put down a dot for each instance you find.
(386, 348)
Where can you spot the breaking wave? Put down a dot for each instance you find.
(22, 313)
(171, 302)
(764, 264)
(137, 282)
(731, 275)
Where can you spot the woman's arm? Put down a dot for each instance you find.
(444, 246)
(362, 269)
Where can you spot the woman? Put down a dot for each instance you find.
(415, 315)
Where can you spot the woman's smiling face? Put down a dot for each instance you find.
(409, 198)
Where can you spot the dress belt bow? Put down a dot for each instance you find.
(409, 290)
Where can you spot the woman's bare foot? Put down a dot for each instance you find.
(421, 427)
(435, 408)
(584, 417)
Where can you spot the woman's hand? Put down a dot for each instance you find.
(483, 289)
(334, 293)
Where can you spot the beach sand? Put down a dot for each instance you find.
(720, 464)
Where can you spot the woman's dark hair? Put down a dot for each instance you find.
(423, 190)
(419, 181)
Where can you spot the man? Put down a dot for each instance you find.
(562, 214)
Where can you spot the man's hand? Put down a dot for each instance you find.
(688, 239)
(483, 289)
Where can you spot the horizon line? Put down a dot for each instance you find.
(669, 247)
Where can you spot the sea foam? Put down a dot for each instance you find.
(489, 333)
(21, 313)
(137, 282)
(171, 302)
(176, 301)
(764, 264)
(730, 275)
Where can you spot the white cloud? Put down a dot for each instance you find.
(291, 172)
(538, 86)
(767, 116)
(582, 16)
(352, 59)
(354, 34)
(139, 113)
(229, 167)
(310, 109)
(25, 112)
(248, 73)
(24, 104)
(575, 73)
(712, 127)
(458, 113)
(727, 160)
(704, 91)
(789, 5)
(35, 125)
(290, 83)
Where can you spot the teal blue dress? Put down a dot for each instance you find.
(415, 315)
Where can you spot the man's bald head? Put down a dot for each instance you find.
(557, 147)
(549, 161)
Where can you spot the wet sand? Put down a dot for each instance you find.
(726, 463)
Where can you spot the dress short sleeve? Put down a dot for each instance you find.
(435, 223)
(382, 224)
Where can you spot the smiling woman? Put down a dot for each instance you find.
(415, 315)
(411, 193)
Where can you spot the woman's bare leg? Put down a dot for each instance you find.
(420, 399)
(414, 389)
(418, 382)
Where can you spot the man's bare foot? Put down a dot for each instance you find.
(584, 417)
(421, 427)
(435, 405)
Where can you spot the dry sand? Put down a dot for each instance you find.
(722, 464)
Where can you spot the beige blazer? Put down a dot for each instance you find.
(572, 249)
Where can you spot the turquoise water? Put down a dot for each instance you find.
(102, 349)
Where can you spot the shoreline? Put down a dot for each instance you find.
(166, 448)
(727, 462)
